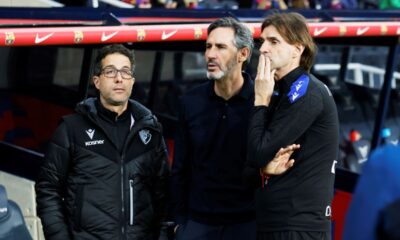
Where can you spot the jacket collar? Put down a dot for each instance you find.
(286, 82)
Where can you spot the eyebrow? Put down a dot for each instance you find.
(112, 66)
(271, 38)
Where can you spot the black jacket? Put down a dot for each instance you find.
(303, 113)
(88, 189)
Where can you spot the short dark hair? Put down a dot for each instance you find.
(293, 28)
(110, 49)
(243, 35)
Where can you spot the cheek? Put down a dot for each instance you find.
(130, 86)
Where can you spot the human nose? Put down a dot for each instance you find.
(265, 47)
(210, 53)
(118, 75)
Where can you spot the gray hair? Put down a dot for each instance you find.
(243, 35)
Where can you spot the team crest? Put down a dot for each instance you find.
(384, 30)
(145, 136)
(198, 33)
(10, 38)
(141, 34)
(342, 30)
(78, 36)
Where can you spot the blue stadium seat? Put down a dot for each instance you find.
(12, 224)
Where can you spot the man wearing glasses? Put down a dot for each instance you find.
(105, 170)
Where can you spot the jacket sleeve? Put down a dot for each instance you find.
(180, 172)
(161, 186)
(50, 186)
(268, 133)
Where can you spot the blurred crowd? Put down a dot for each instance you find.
(267, 4)
(255, 4)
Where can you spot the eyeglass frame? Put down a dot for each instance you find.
(121, 71)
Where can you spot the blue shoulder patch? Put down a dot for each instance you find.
(298, 88)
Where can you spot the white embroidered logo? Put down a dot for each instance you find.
(90, 133)
(145, 136)
(294, 96)
(298, 85)
(3, 210)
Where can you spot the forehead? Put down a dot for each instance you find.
(271, 32)
(117, 60)
(221, 35)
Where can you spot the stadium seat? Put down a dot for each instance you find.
(12, 223)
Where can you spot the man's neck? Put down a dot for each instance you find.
(228, 87)
(280, 73)
(117, 109)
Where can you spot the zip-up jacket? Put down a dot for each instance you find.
(305, 113)
(88, 188)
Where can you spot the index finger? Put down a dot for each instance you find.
(261, 67)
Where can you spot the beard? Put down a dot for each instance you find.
(223, 72)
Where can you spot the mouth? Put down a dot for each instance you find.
(212, 66)
(118, 90)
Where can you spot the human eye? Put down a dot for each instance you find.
(127, 73)
(109, 71)
(222, 46)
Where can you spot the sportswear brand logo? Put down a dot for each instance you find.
(145, 136)
(361, 31)
(41, 39)
(105, 37)
(90, 133)
(165, 36)
(318, 32)
(3, 210)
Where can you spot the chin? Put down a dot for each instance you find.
(215, 76)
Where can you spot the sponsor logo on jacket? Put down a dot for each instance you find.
(90, 133)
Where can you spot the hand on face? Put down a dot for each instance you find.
(264, 83)
(281, 162)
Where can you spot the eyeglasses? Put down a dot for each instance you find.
(111, 72)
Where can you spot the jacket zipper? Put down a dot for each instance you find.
(132, 211)
(122, 198)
